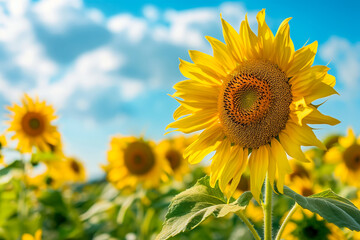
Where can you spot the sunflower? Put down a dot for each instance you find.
(54, 153)
(31, 124)
(133, 161)
(28, 236)
(346, 154)
(254, 96)
(173, 149)
(76, 169)
(306, 225)
(304, 186)
(56, 173)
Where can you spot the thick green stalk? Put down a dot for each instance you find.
(248, 224)
(267, 206)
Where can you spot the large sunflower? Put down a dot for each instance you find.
(254, 96)
(31, 124)
(347, 157)
(133, 161)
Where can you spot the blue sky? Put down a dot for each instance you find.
(107, 66)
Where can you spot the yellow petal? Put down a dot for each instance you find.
(258, 164)
(38, 234)
(195, 106)
(232, 166)
(329, 80)
(272, 167)
(27, 236)
(218, 160)
(292, 147)
(299, 110)
(303, 59)
(310, 84)
(303, 135)
(316, 117)
(192, 71)
(194, 122)
(181, 111)
(222, 54)
(236, 180)
(283, 166)
(205, 144)
(207, 63)
(348, 140)
(265, 36)
(195, 91)
(284, 47)
(249, 40)
(232, 40)
(333, 155)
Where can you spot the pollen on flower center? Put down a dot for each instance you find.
(139, 158)
(254, 103)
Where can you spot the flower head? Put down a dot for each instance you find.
(133, 161)
(173, 149)
(253, 101)
(32, 124)
(346, 154)
(306, 225)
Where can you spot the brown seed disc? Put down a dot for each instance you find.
(33, 123)
(254, 103)
(352, 157)
(139, 158)
(75, 166)
(174, 157)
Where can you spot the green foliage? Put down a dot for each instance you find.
(330, 206)
(14, 165)
(191, 207)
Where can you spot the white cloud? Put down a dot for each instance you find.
(151, 12)
(90, 71)
(134, 28)
(131, 88)
(345, 56)
(58, 14)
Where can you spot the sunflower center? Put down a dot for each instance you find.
(244, 184)
(311, 228)
(254, 103)
(33, 123)
(305, 191)
(174, 158)
(75, 166)
(139, 158)
(310, 232)
(352, 157)
(299, 171)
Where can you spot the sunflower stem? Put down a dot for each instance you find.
(242, 216)
(267, 206)
(288, 217)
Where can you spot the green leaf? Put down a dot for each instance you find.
(14, 165)
(191, 207)
(330, 206)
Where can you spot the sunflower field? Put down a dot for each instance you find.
(244, 163)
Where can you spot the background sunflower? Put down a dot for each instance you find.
(31, 124)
